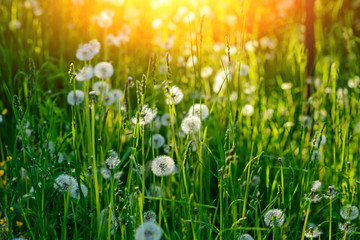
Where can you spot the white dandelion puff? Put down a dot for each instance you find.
(65, 183)
(76, 194)
(87, 51)
(103, 70)
(101, 87)
(112, 162)
(286, 86)
(312, 232)
(157, 141)
(245, 237)
(149, 216)
(118, 94)
(206, 72)
(347, 227)
(244, 69)
(78, 99)
(191, 124)
(255, 181)
(109, 99)
(173, 95)
(166, 120)
(320, 140)
(146, 116)
(248, 110)
(106, 173)
(316, 155)
(85, 74)
(331, 193)
(199, 110)
(274, 215)
(349, 212)
(148, 231)
(305, 120)
(316, 186)
(162, 165)
(313, 198)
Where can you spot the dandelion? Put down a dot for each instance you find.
(87, 51)
(305, 120)
(104, 219)
(85, 74)
(173, 95)
(103, 70)
(155, 191)
(320, 140)
(244, 69)
(349, 212)
(157, 141)
(274, 215)
(219, 81)
(233, 96)
(149, 216)
(347, 227)
(166, 120)
(112, 162)
(104, 19)
(331, 193)
(101, 87)
(245, 237)
(79, 97)
(248, 110)
(255, 181)
(109, 99)
(286, 86)
(118, 94)
(106, 173)
(206, 72)
(65, 183)
(148, 231)
(316, 186)
(316, 155)
(269, 113)
(199, 110)
(76, 193)
(191, 124)
(313, 197)
(313, 232)
(146, 116)
(162, 165)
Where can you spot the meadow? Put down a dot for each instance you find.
(170, 119)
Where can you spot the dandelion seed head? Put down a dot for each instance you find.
(162, 165)
(248, 110)
(245, 237)
(148, 231)
(149, 216)
(79, 97)
(118, 94)
(286, 86)
(104, 219)
(349, 212)
(157, 141)
(101, 87)
(305, 120)
(255, 181)
(104, 70)
(87, 51)
(316, 155)
(331, 193)
(191, 124)
(313, 198)
(112, 162)
(199, 110)
(76, 194)
(173, 95)
(65, 182)
(206, 71)
(244, 69)
(320, 140)
(276, 215)
(85, 74)
(109, 99)
(347, 227)
(313, 232)
(146, 116)
(316, 186)
(166, 120)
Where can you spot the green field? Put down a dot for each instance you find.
(171, 119)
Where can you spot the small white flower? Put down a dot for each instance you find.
(166, 120)
(79, 97)
(244, 69)
(148, 231)
(173, 95)
(274, 215)
(162, 165)
(149, 216)
(349, 212)
(104, 70)
(245, 237)
(199, 110)
(286, 86)
(101, 87)
(157, 141)
(191, 124)
(248, 110)
(316, 155)
(85, 74)
(146, 116)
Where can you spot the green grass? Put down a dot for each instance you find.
(229, 174)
